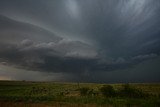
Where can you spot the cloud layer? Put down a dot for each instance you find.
(80, 39)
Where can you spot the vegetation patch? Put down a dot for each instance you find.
(83, 93)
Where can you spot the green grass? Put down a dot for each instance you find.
(70, 93)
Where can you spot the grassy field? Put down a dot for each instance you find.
(54, 94)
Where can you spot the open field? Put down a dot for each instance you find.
(54, 94)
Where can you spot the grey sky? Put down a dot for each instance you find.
(81, 38)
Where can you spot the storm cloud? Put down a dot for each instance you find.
(91, 40)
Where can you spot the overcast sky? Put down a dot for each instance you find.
(80, 40)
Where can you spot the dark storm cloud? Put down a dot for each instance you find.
(143, 57)
(118, 27)
(122, 26)
(82, 38)
(49, 56)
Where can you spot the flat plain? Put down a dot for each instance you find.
(60, 94)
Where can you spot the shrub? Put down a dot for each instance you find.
(84, 91)
(92, 92)
(108, 91)
(132, 92)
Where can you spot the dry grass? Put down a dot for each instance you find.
(22, 104)
(54, 94)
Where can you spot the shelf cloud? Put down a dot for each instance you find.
(89, 41)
